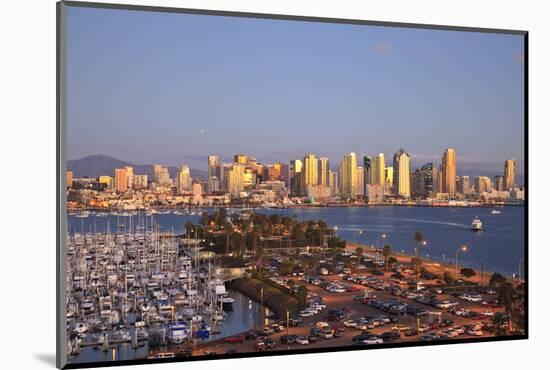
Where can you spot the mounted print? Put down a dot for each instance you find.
(235, 185)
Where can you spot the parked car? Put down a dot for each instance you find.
(234, 339)
(302, 340)
(373, 340)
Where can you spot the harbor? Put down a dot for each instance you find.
(139, 291)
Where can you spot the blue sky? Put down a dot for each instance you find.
(172, 88)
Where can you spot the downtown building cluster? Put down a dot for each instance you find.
(310, 180)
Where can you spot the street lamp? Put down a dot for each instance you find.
(520, 268)
(462, 248)
(355, 236)
(383, 236)
(287, 322)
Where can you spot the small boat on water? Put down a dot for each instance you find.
(495, 212)
(82, 214)
(101, 214)
(477, 225)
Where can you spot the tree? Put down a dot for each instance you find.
(418, 238)
(448, 277)
(506, 297)
(496, 279)
(387, 253)
(290, 283)
(392, 260)
(359, 252)
(189, 226)
(467, 272)
(301, 294)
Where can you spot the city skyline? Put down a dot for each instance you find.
(343, 87)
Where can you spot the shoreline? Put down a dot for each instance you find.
(297, 206)
(437, 267)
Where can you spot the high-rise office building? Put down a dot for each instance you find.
(241, 159)
(463, 185)
(296, 177)
(214, 172)
(367, 164)
(448, 172)
(429, 178)
(129, 177)
(482, 184)
(309, 171)
(139, 182)
(402, 174)
(156, 173)
(236, 180)
(121, 180)
(379, 170)
(333, 182)
(417, 183)
(499, 183)
(348, 176)
(69, 179)
(388, 180)
(510, 173)
(184, 182)
(360, 181)
(323, 176)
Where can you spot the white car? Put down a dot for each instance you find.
(373, 340)
(319, 306)
(302, 340)
(459, 330)
(350, 324)
(307, 314)
(322, 324)
(475, 332)
(488, 313)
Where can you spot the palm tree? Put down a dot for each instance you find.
(506, 296)
(418, 238)
(387, 253)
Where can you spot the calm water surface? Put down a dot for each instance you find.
(499, 246)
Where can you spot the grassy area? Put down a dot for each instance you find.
(274, 298)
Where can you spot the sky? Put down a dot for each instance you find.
(166, 88)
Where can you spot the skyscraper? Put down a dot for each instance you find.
(482, 184)
(367, 164)
(510, 173)
(323, 176)
(499, 183)
(296, 177)
(333, 182)
(348, 175)
(309, 172)
(463, 185)
(379, 170)
(402, 174)
(69, 179)
(360, 181)
(184, 180)
(156, 173)
(236, 180)
(214, 172)
(241, 159)
(121, 180)
(428, 173)
(129, 176)
(448, 172)
(388, 180)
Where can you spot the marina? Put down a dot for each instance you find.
(139, 291)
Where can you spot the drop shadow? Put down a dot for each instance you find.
(46, 358)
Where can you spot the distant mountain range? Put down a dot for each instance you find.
(98, 165)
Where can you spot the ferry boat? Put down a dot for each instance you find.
(495, 212)
(477, 225)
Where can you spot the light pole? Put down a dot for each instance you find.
(383, 236)
(359, 232)
(463, 248)
(520, 268)
(287, 322)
